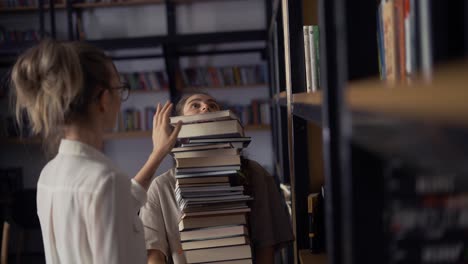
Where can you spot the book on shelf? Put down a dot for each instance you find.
(238, 75)
(311, 60)
(255, 113)
(129, 119)
(207, 221)
(316, 221)
(146, 81)
(218, 254)
(397, 39)
(218, 242)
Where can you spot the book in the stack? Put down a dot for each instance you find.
(214, 210)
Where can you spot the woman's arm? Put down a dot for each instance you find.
(156, 257)
(164, 139)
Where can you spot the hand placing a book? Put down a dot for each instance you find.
(164, 137)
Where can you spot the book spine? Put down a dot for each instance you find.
(407, 37)
(389, 40)
(307, 58)
(313, 60)
(317, 53)
(311, 204)
(380, 42)
(400, 30)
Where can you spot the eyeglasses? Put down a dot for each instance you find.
(124, 91)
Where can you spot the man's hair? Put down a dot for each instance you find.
(181, 103)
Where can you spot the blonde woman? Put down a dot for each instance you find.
(269, 220)
(87, 207)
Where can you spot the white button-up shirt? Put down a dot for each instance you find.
(88, 209)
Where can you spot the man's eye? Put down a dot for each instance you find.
(195, 105)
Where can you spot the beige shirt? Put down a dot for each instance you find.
(88, 209)
(269, 219)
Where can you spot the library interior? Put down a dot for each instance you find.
(298, 131)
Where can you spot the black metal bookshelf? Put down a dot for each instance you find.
(374, 133)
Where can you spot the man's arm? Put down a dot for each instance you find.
(156, 257)
(265, 255)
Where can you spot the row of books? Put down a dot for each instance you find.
(147, 81)
(198, 77)
(214, 226)
(130, 119)
(224, 76)
(316, 221)
(312, 57)
(15, 36)
(25, 3)
(257, 113)
(396, 37)
(133, 119)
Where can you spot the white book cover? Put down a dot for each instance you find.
(307, 58)
(313, 60)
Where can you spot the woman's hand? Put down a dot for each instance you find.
(164, 135)
(164, 138)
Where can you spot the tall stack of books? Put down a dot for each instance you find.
(214, 206)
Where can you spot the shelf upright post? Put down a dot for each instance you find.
(297, 131)
(170, 53)
(41, 18)
(69, 8)
(336, 129)
(52, 18)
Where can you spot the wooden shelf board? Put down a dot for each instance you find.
(307, 257)
(256, 86)
(281, 95)
(443, 100)
(127, 134)
(25, 9)
(117, 4)
(314, 98)
(99, 5)
(192, 1)
(116, 135)
(141, 91)
(20, 141)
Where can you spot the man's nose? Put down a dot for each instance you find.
(205, 108)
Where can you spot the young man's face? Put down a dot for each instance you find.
(199, 104)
